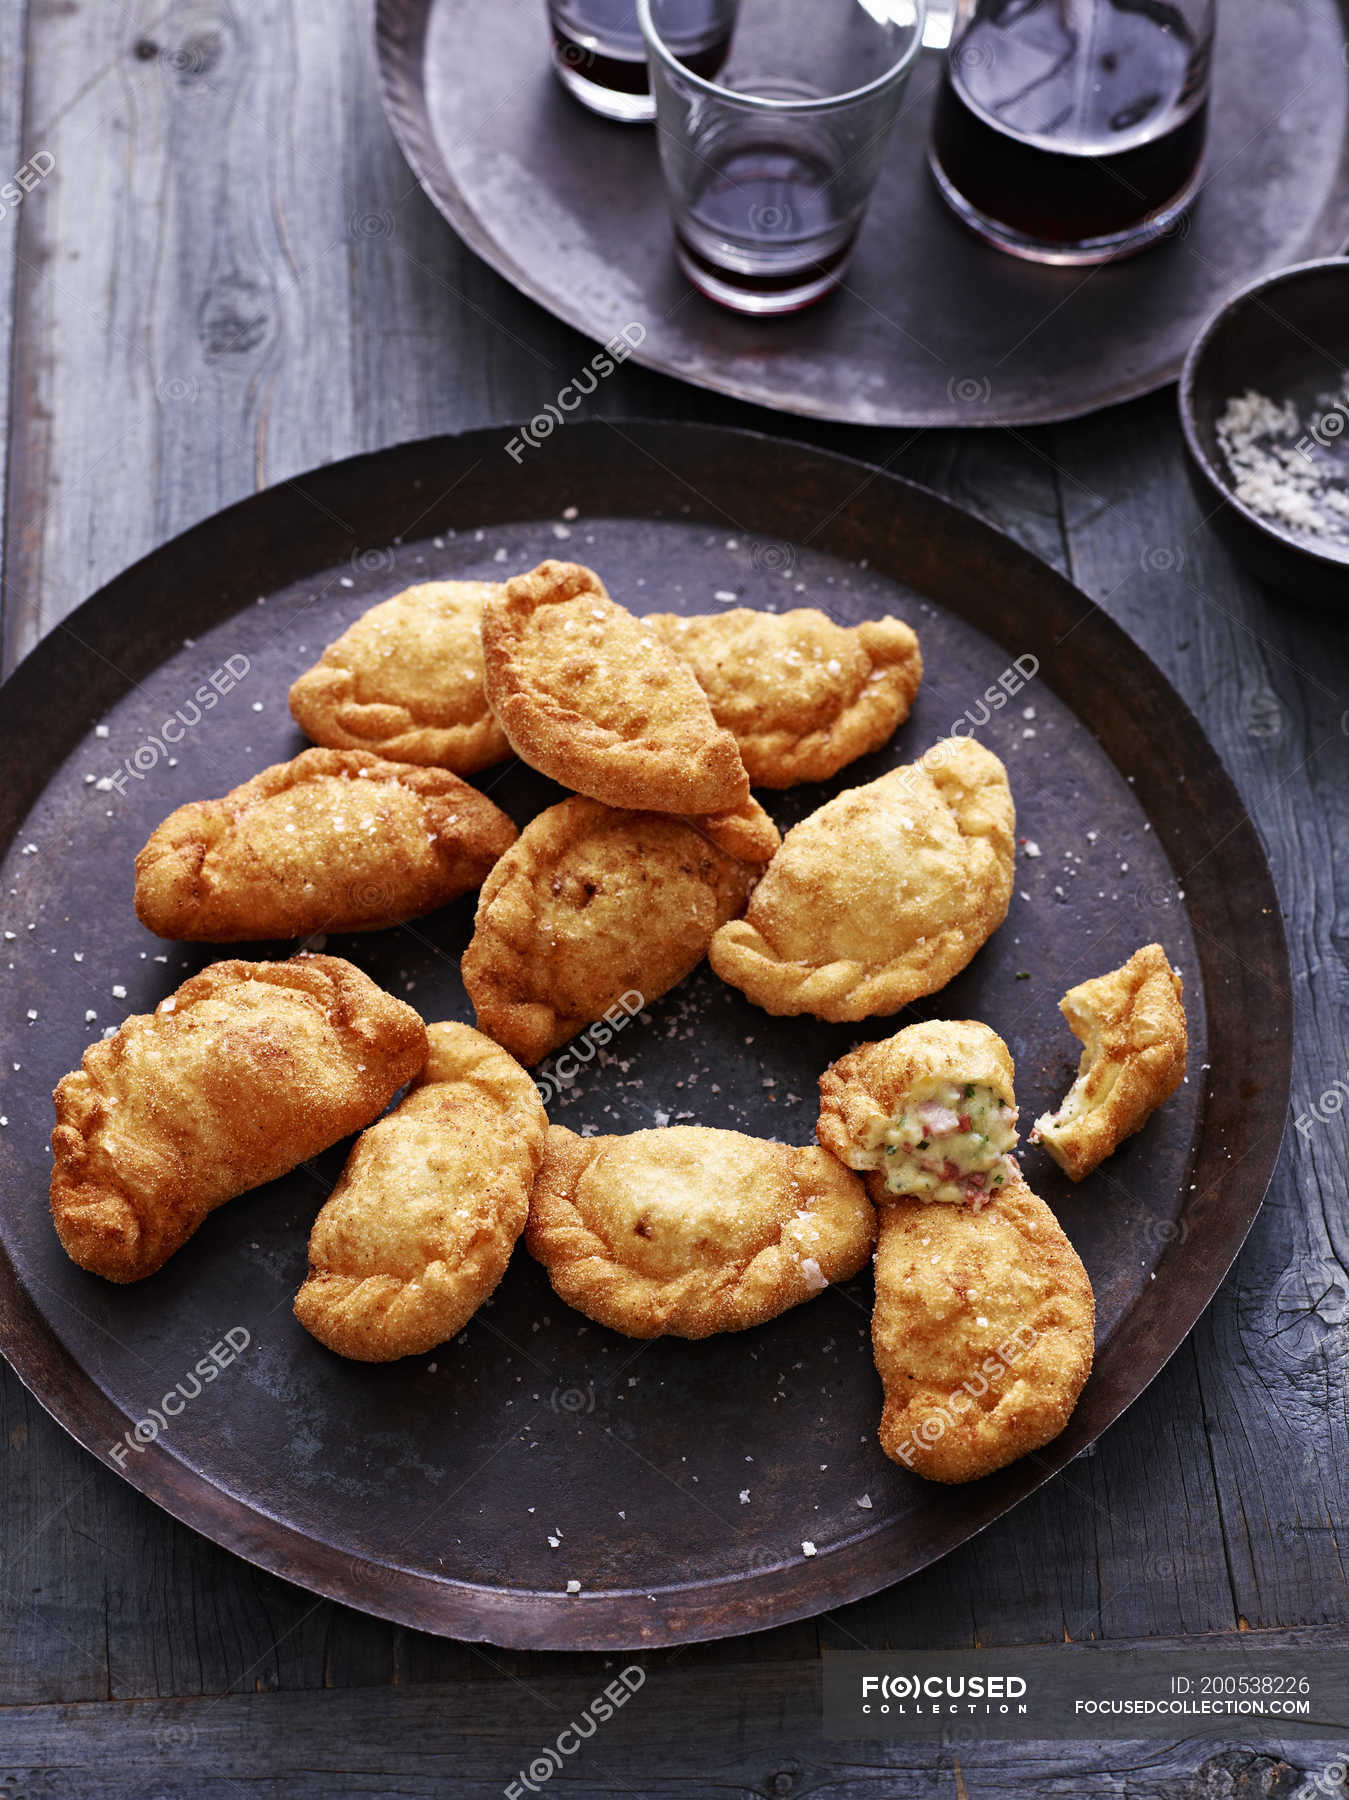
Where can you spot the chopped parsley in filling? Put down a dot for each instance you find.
(952, 1143)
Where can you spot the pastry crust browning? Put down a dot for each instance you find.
(247, 1070)
(883, 894)
(593, 904)
(802, 696)
(406, 681)
(688, 1231)
(421, 1224)
(1134, 1044)
(982, 1332)
(334, 840)
(950, 1082)
(593, 698)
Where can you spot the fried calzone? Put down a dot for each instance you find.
(883, 894)
(687, 1231)
(592, 697)
(592, 904)
(405, 681)
(801, 695)
(1134, 1045)
(334, 840)
(421, 1224)
(247, 1070)
(930, 1113)
(982, 1332)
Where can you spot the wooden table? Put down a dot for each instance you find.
(230, 276)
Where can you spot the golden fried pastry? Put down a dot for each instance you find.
(688, 1231)
(406, 682)
(930, 1110)
(883, 894)
(801, 695)
(244, 1072)
(591, 904)
(982, 1332)
(334, 840)
(593, 698)
(1132, 1026)
(421, 1225)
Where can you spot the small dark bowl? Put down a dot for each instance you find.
(1286, 335)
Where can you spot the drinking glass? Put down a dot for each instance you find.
(769, 167)
(1072, 131)
(600, 57)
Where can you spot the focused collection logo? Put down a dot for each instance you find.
(942, 1694)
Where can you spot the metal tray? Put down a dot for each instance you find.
(428, 1491)
(935, 328)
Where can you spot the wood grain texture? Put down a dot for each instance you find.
(11, 155)
(232, 278)
(750, 1743)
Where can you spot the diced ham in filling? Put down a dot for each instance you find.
(938, 1120)
(953, 1145)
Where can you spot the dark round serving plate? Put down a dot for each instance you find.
(1286, 336)
(428, 1491)
(934, 327)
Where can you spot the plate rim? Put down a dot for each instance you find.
(724, 1606)
(403, 96)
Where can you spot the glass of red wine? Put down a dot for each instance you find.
(599, 55)
(1072, 131)
(770, 166)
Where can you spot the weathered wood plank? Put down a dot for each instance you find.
(51, 1593)
(54, 1535)
(12, 153)
(738, 1733)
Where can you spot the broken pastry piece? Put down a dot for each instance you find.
(928, 1113)
(334, 840)
(593, 698)
(883, 894)
(247, 1070)
(406, 682)
(422, 1222)
(592, 904)
(688, 1231)
(1134, 1042)
(801, 695)
(982, 1332)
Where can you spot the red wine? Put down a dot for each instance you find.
(1065, 135)
(807, 282)
(766, 225)
(628, 74)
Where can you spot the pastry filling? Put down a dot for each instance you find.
(1095, 1078)
(952, 1143)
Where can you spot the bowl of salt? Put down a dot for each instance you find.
(1264, 406)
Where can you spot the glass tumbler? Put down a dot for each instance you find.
(1072, 131)
(600, 58)
(769, 167)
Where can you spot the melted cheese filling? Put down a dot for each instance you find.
(950, 1143)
